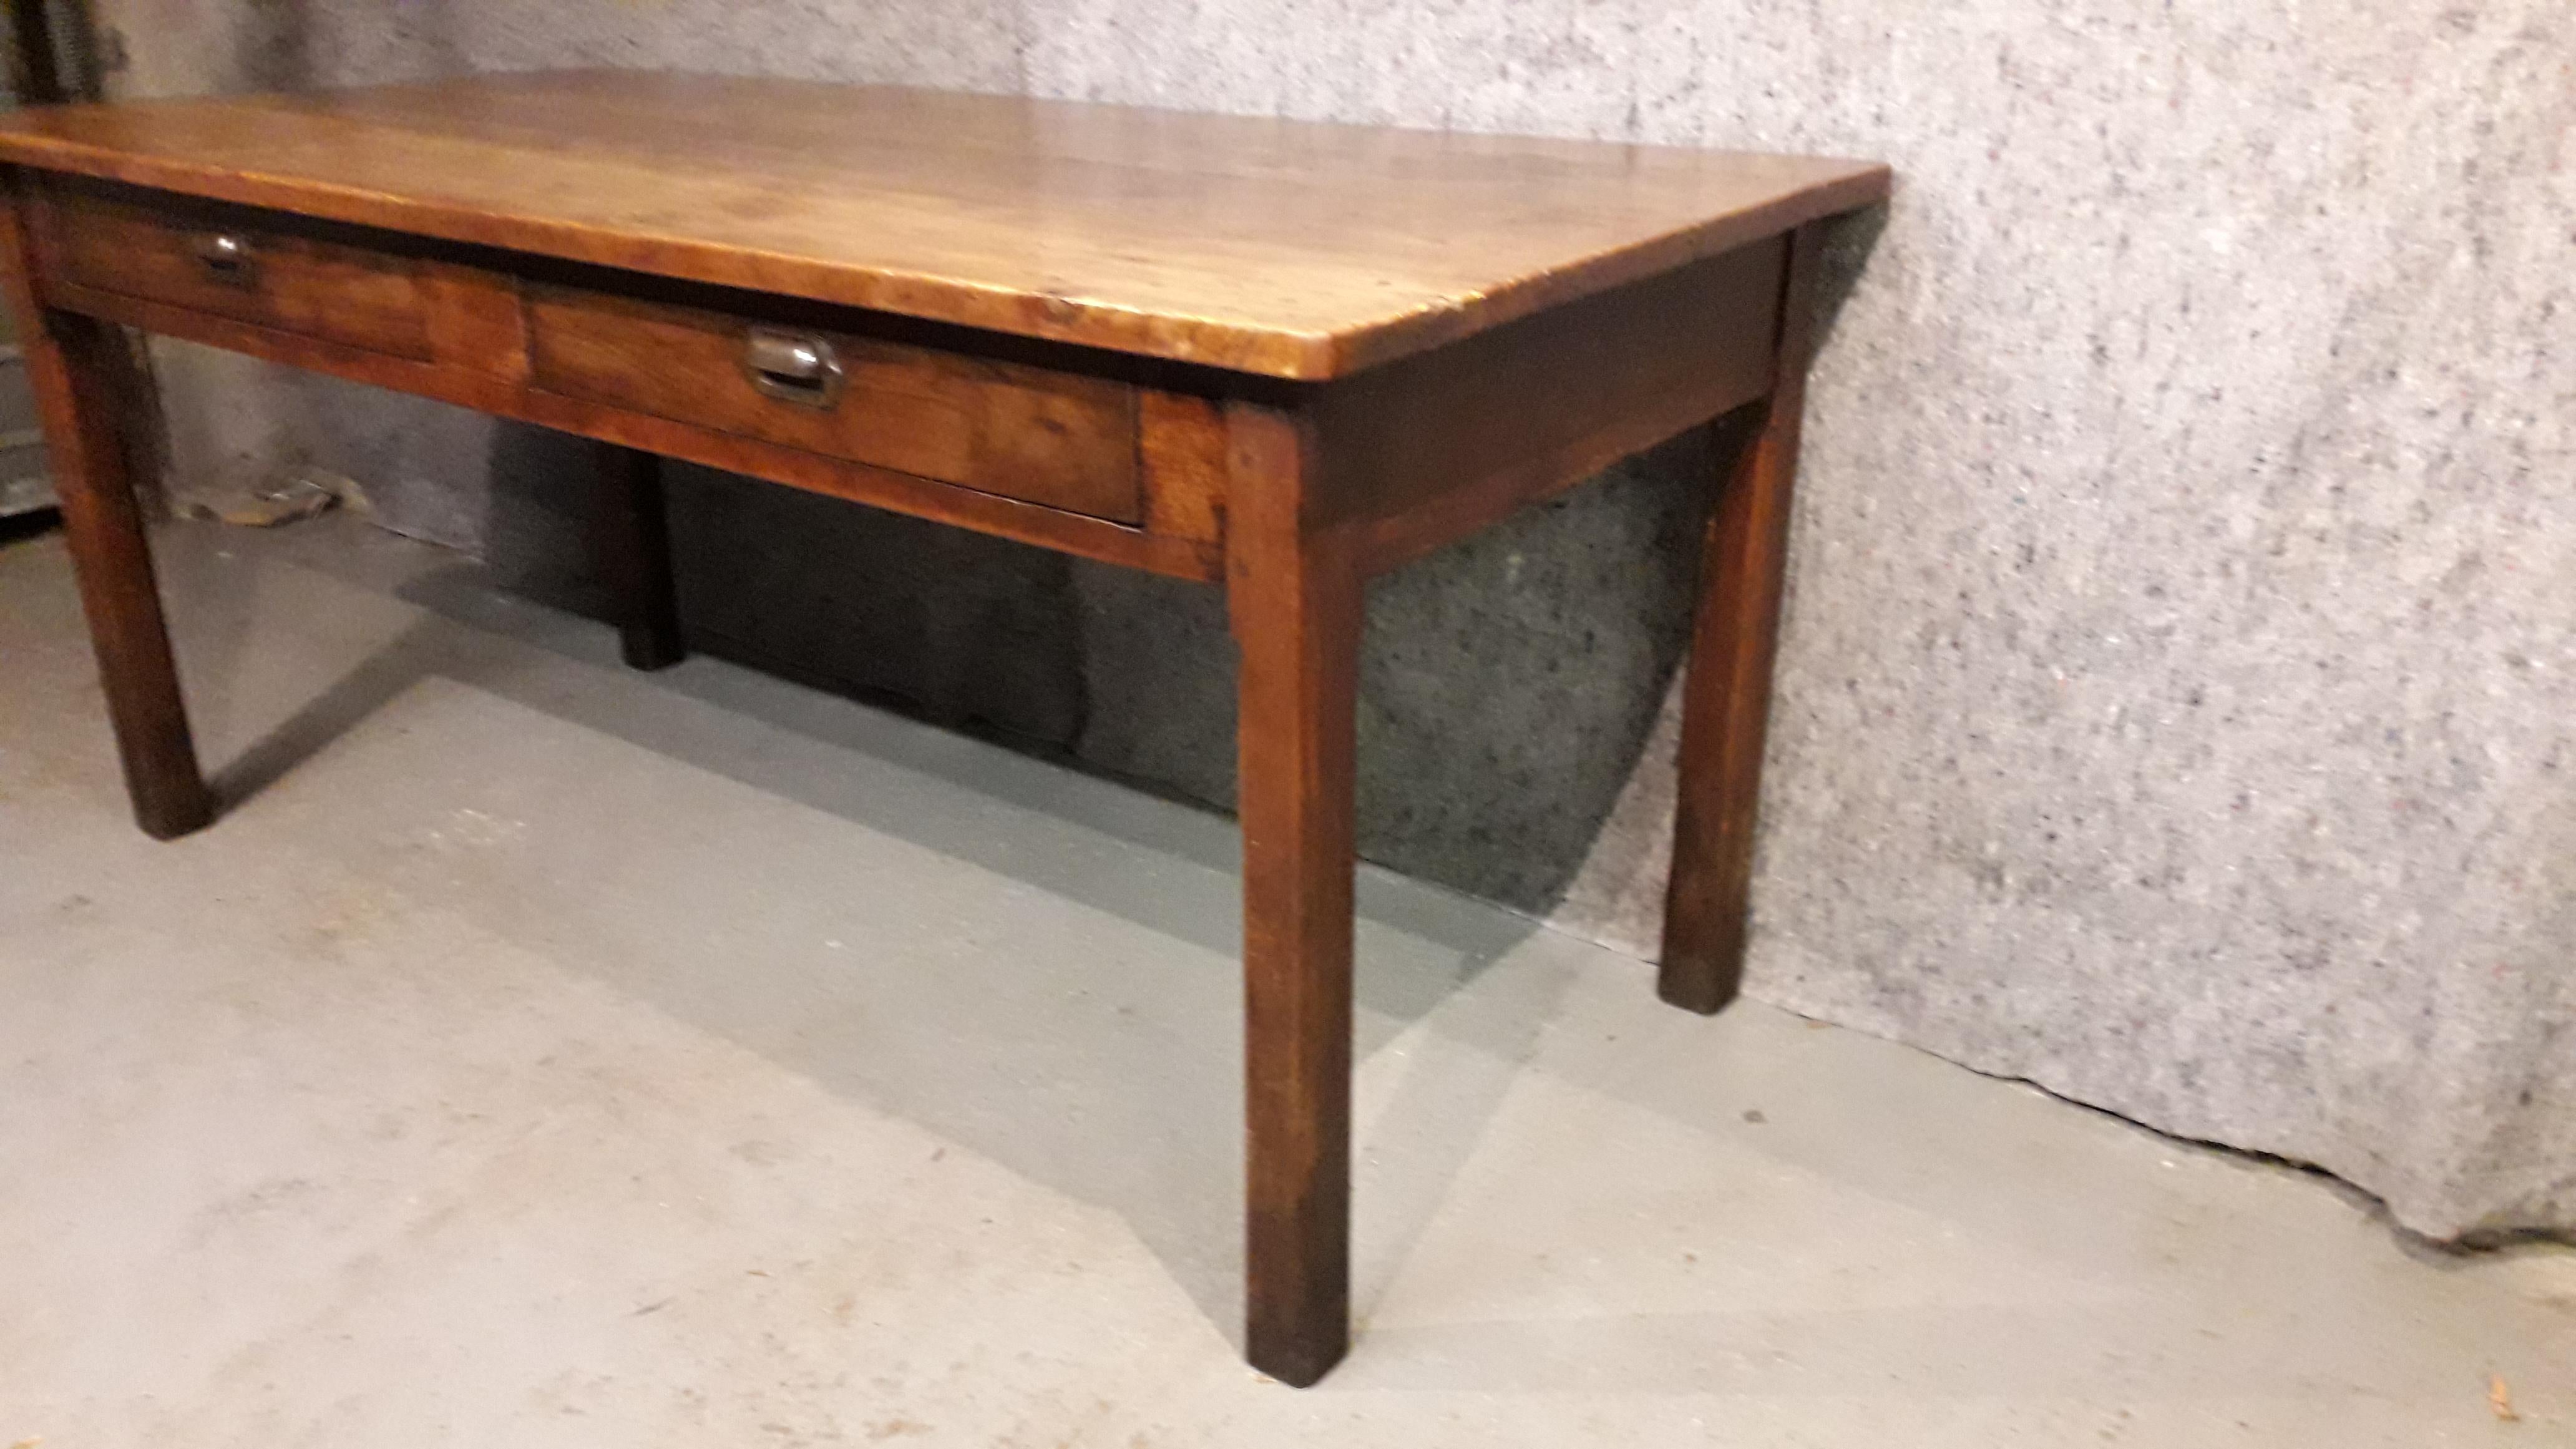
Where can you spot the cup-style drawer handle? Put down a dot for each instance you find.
(227, 257)
(796, 367)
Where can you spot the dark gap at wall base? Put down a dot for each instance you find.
(1508, 684)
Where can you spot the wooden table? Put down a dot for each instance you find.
(1276, 356)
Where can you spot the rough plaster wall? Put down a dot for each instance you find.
(2175, 696)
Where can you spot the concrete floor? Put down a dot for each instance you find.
(543, 1054)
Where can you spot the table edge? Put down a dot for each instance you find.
(1232, 346)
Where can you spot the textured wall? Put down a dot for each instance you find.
(2176, 694)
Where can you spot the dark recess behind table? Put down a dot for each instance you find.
(1130, 675)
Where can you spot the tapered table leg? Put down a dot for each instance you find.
(1296, 607)
(81, 375)
(1726, 694)
(634, 540)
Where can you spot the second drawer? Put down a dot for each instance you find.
(1058, 439)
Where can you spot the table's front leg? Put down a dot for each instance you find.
(1295, 601)
(82, 374)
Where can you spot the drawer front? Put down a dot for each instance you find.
(1056, 439)
(232, 268)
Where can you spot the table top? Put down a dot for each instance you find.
(1287, 248)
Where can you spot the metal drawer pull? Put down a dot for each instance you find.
(793, 367)
(226, 256)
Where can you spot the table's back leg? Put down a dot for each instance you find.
(1296, 607)
(1726, 694)
(633, 533)
(81, 374)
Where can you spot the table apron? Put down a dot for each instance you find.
(1097, 461)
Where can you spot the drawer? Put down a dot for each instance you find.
(1058, 439)
(221, 263)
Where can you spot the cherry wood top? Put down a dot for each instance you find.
(1286, 248)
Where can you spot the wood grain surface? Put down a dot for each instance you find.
(1064, 441)
(347, 294)
(1296, 601)
(82, 378)
(1726, 693)
(1286, 248)
(478, 382)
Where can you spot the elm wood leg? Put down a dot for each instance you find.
(1726, 693)
(1295, 601)
(81, 372)
(634, 540)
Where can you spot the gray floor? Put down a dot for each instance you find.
(543, 1054)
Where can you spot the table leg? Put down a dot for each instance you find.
(81, 373)
(1726, 695)
(634, 542)
(1296, 606)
